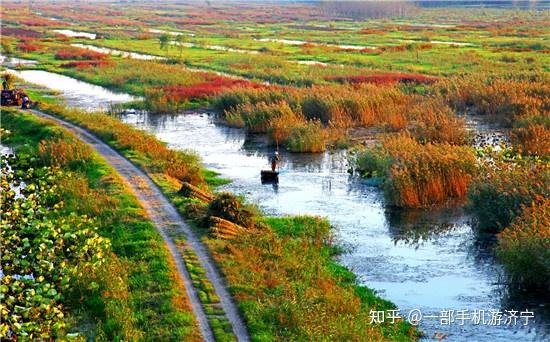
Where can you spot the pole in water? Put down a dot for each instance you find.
(279, 161)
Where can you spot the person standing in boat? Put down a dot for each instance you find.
(275, 160)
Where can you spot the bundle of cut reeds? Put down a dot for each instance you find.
(225, 229)
(189, 190)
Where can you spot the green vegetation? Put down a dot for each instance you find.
(501, 193)
(34, 291)
(141, 148)
(524, 247)
(317, 246)
(115, 280)
(289, 288)
(510, 198)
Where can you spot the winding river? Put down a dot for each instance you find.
(425, 260)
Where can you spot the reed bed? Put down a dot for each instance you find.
(502, 191)
(524, 247)
(506, 98)
(419, 175)
(330, 110)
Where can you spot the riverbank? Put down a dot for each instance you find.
(340, 281)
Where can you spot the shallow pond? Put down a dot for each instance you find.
(76, 34)
(437, 42)
(301, 42)
(172, 33)
(14, 62)
(312, 63)
(109, 51)
(216, 47)
(76, 93)
(430, 260)
(135, 55)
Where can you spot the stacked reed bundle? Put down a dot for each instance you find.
(225, 229)
(189, 190)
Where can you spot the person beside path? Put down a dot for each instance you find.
(26, 102)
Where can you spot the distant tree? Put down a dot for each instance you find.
(180, 41)
(413, 48)
(164, 41)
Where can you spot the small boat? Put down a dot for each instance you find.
(269, 176)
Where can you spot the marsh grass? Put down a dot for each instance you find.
(140, 146)
(289, 288)
(419, 175)
(506, 98)
(531, 135)
(307, 119)
(524, 247)
(501, 192)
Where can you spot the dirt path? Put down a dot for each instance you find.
(165, 216)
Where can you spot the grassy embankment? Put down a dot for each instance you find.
(291, 283)
(132, 292)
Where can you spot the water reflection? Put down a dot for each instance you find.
(415, 227)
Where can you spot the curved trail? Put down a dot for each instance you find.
(164, 215)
